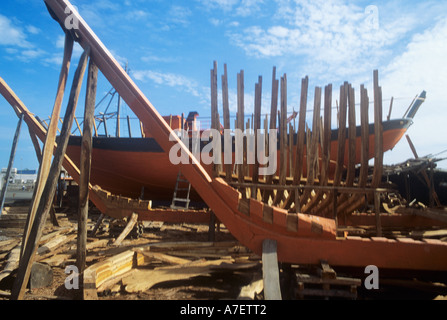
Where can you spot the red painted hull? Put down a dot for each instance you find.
(124, 166)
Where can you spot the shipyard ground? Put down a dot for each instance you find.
(225, 283)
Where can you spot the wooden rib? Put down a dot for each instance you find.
(325, 147)
(378, 131)
(312, 155)
(299, 157)
(326, 206)
(364, 152)
(226, 115)
(273, 108)
(256, 127)
(240, 119)
(283, 141)
(346, 199)
(215, 114)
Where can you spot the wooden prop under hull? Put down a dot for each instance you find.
(301, 238)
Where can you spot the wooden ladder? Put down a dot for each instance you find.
(180, 186)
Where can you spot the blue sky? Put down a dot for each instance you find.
(170, 47)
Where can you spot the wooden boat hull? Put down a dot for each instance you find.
(124, 166)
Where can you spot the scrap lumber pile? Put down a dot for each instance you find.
(162, 255)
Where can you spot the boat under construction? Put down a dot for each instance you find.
(328, 200)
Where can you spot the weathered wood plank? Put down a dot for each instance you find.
(270, 270)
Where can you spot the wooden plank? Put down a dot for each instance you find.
(270, 270)
(50, 185)
(85, 164)
(162, 257)
(48, 146)
(12, 263)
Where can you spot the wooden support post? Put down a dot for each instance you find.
(130, 224)
(433, 196)
(18, 290)
(105, 125)
(212, 227)
(50, 138)
(94, 126)
(85, 165)
(10, 163)
(79, 127)
(143, 135)
(128, 126)
(270, 270)
(377, 210)
(36, 145)
(391, 108)
(98, 223)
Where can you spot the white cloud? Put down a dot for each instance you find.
(421, 67)
(33, 29)
(242, 8)
(332, 37)
(11, 35)
(168, 79)
(179, 15)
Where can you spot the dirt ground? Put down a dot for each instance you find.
(215, 286)
(224, 284)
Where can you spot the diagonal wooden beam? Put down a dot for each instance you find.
(47, 152)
